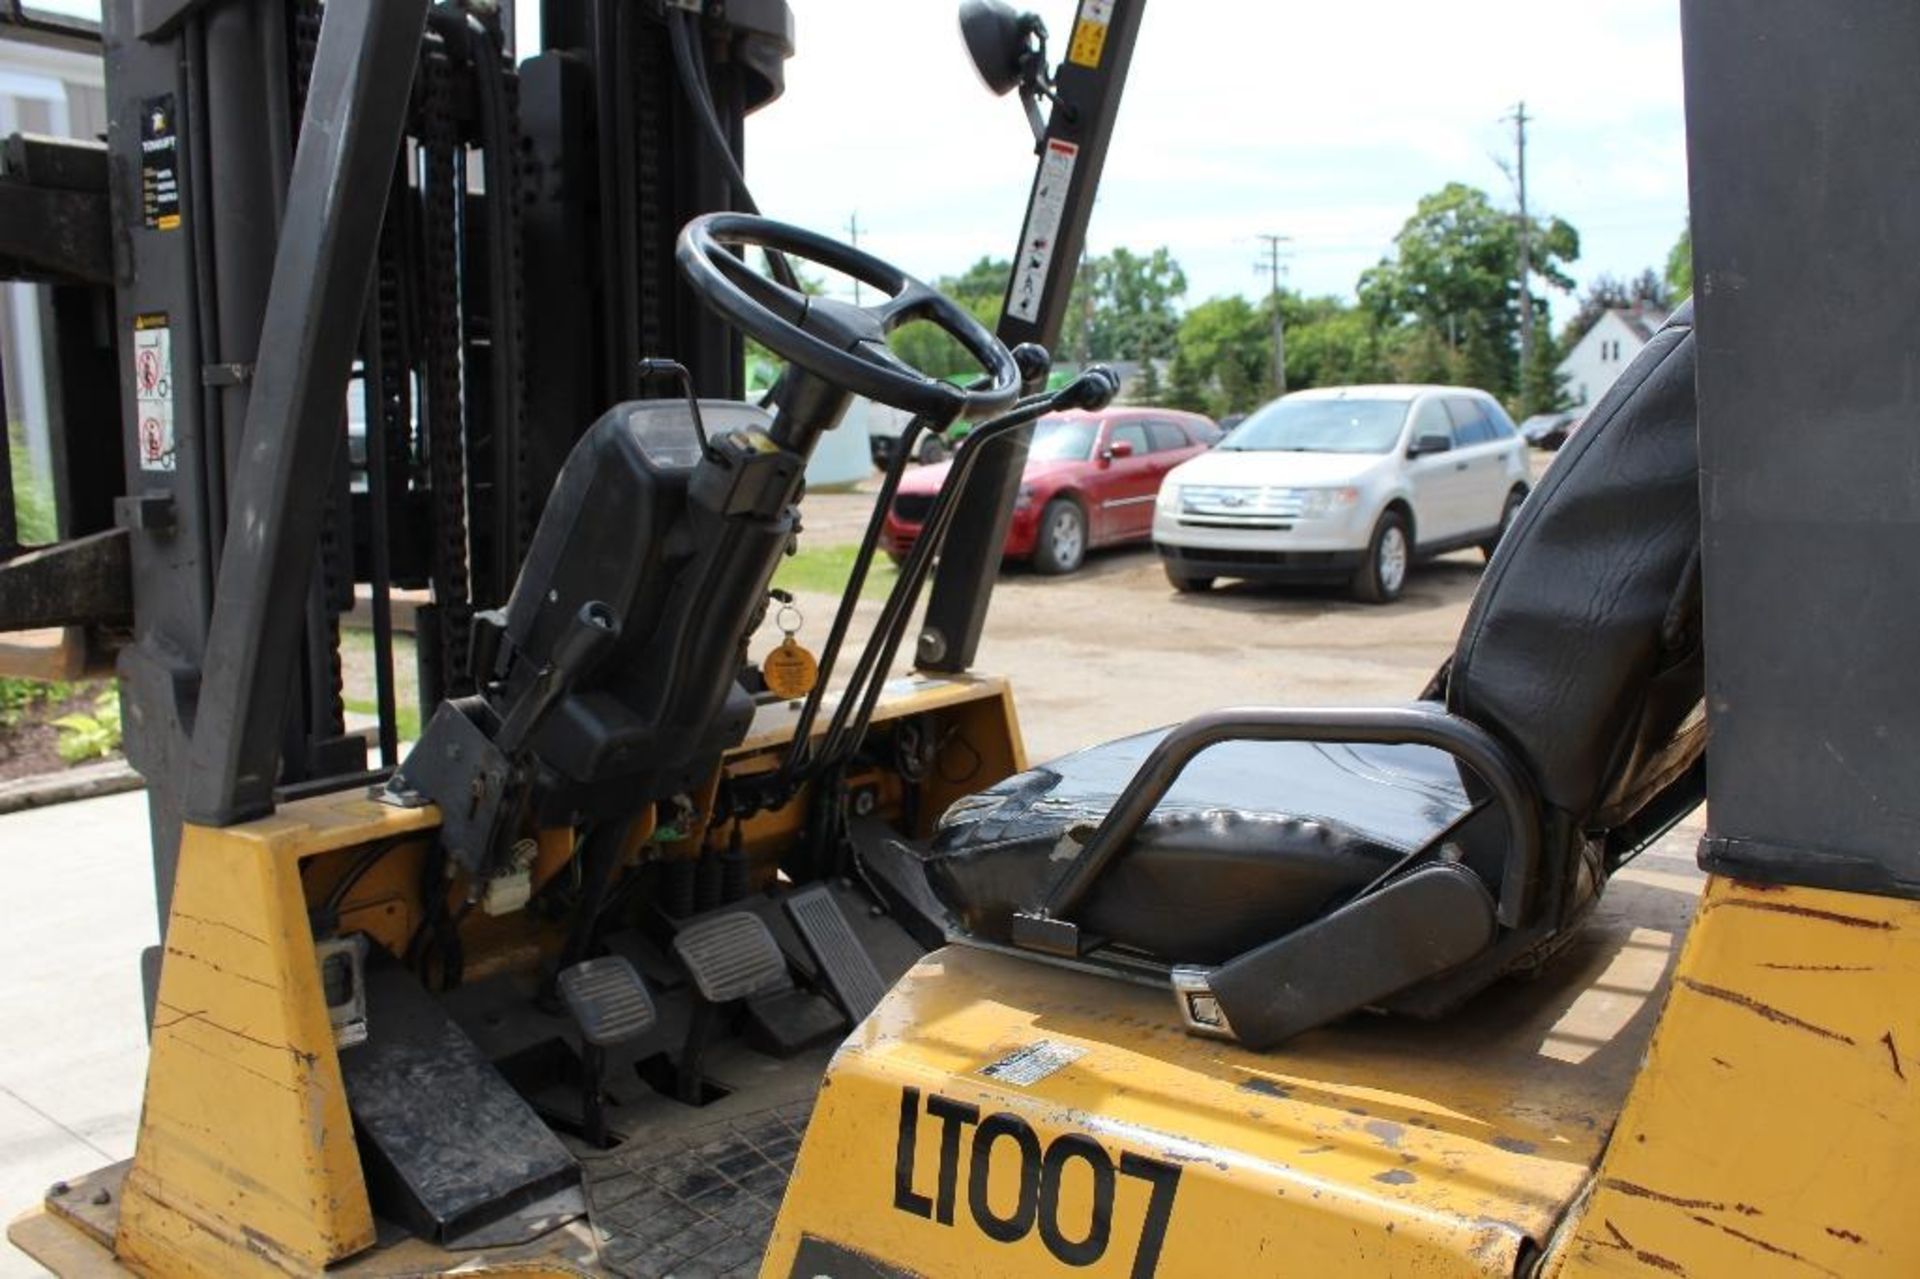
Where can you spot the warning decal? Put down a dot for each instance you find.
(1090, 33)
(153, 390)
(1043, 228)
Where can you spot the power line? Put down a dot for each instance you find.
(1273, 268)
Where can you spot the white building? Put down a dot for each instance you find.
(1599, 356)
(61, 93)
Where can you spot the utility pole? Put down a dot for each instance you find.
(1271, 265)
(853, 238)
(1520, 118)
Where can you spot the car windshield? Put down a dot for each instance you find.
(1320, 426)
(1062, 439)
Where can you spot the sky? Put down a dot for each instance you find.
(1321, 121)
(1325, 121)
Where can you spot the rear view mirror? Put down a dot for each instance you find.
(1120, 448)
(1435, 443)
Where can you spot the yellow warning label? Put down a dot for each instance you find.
(1090, 33)
(1089, 39)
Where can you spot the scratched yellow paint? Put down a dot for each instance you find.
(1349, 1152)
(245, 1159)
(1776, 1126)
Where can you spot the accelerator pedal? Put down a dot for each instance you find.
(611, 1006)
(845, 966)
(730, 957)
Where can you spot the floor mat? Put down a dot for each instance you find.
(697, 1206)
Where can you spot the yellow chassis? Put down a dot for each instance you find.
(1732, 1098)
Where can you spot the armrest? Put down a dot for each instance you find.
(1050, 928)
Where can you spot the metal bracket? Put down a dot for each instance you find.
(1200, 1008)
(1037, 930)
(226, 374)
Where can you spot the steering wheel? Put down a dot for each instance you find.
(837, 341)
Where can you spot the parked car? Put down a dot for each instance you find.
(1089, 481)
(1348, 483)
(1548, 430)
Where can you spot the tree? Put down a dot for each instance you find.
(981, 288)
(1132, 299)
(1224, 346)
(1330, 343)
(1453, 272)
(1680, 265)
(1543, 387)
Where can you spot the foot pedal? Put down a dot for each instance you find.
(610, 1005)
(608, 1000)
(731, 956)
(844, 964)
(789, 1022)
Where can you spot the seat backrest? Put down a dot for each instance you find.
(1582, 648)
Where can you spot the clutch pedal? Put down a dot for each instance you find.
(845, 966)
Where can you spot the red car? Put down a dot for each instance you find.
(1090, 481)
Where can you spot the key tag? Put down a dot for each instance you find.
(790, 670)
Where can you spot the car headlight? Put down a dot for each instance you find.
(1319, 503)
(1025, 499)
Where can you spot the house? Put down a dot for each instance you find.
(1605, 349)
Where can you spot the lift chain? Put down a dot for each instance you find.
(441, 146)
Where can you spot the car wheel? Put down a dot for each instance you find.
(1061, 545)
(1507, 513)
(1186, 583)
(932, 449)
(1389, 555)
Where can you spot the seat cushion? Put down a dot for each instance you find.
(1255, 839)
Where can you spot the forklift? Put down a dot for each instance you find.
(648, 959)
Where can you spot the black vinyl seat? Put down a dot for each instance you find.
(1306, 864)
(1254, 838)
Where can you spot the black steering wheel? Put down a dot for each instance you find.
(844, 344)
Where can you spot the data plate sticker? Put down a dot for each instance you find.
(1043, 228)
(1024, 1067)
(159, 165)
(153, 390)
(1090, 33)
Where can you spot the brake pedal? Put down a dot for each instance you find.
(610, 1005)
(844, 963)
(730, 957)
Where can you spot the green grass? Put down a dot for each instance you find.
(32, 498)
(825, 570)
(406, 718)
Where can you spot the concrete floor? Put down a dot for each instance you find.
(77, 911)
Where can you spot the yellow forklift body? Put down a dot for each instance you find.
(999, 1116)
(1775, 1127)
(245, 1160)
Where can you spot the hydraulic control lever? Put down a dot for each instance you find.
(1092, 390)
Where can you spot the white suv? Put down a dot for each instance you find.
(1344, 483)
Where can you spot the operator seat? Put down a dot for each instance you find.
(1581, 657)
